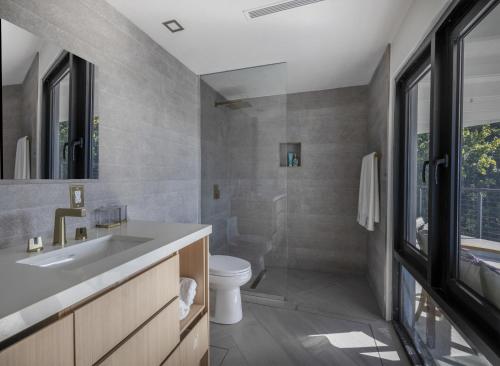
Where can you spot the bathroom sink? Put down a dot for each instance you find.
(79, 255)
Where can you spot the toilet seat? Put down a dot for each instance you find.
(227, 266)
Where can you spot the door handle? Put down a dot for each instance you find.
(74, 144)
(424, 167)
(65, 148)
(440, 162)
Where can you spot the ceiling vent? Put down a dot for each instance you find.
(277, 7)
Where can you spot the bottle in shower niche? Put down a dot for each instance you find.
(290, 158)
(295, 160)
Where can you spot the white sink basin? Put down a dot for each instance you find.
(79, 255)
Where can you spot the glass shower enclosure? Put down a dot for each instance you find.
(244, 171)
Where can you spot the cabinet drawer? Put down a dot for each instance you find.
(174, 359)
(152, 343)
(106, 321)
(51, 346)
(195, 345)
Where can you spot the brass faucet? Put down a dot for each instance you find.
(60, 222)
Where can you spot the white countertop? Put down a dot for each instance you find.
(30, 294)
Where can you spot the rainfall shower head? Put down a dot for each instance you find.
(233, 104)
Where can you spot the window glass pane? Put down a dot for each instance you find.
(438, 342)
(60, 127)
(480, 168)
(418, 158)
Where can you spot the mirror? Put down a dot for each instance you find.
(49, 127)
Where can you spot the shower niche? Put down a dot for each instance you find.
(290, 155)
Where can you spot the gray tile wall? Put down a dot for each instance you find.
(12, 98)
(150, 124)
(214, 167)
(30, 110)
(19, 118)
(323, 193)
(257, 181)
(319, 213)
(239, 153)
(378, 102)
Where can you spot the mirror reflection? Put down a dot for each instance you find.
(49, 125)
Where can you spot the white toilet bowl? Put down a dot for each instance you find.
(226, 276)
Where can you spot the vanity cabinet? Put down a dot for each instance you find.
(152, 344)
(173, 359)
(194, 346)
(51, 346)
(103, 323)
(134, 323)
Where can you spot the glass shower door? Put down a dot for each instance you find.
(244, 188)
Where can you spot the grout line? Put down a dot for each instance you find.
(376, 345)
(298, 307)
(226, 351)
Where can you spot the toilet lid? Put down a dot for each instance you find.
(224, 265)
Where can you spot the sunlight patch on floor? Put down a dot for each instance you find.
(350, 340)
(385, 355)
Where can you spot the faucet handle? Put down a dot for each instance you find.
(35, 244)
(81, 233)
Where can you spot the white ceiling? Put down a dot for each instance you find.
(19, 47)
(329, 44)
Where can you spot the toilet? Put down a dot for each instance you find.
(226, 275)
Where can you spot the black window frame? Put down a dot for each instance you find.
(1, 107)
(81, 114)
(477, 320)
(488, 316)
(406, 251)
(56, 73)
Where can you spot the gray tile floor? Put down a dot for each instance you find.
(326, 320)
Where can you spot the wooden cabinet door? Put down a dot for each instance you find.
(195, 345)
(174, 359)
(152, 343)
(51, 346)
(103, 323)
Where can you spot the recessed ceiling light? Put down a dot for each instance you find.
(173, 26)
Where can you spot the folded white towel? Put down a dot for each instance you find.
(368, 204)
(186, 296)
(183, 309)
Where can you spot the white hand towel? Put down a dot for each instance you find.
(186, 296)
(368, 203)
(183, 309)
(22, 163)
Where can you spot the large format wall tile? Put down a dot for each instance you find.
(322, 195)
(378, 141)
(314, 227)
(148, 104)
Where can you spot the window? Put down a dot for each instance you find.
(480, 159)
(436, 339)
(59, 125)
(418, 139)
(447, 189)
(414, 217)
(71, 130)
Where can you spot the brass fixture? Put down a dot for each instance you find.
(81, 233)
(60, 223)
(35, 244)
